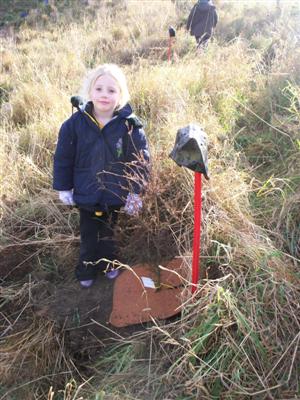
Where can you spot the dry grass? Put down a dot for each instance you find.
(238, 337)
(29, 343)
(220, 341)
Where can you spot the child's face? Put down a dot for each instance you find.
(105, 95)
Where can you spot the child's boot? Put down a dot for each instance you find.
(86, 284)
(112, 274)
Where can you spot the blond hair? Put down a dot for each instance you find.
(106, 69)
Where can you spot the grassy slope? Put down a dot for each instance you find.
(239, 339)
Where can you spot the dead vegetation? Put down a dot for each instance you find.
(238, 337)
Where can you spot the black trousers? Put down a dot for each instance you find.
(202, 40)
(96, 242)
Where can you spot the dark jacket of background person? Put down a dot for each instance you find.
(202, 19)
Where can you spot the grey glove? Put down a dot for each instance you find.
(133, 204)
(66, 197)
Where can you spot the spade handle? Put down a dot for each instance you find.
(197, 230)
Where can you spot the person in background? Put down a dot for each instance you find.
(201, 22)
(101, 152)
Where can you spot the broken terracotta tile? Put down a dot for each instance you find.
(133, 303)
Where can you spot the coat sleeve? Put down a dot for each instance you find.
(64, 158)
(190, 19)
(138, 160)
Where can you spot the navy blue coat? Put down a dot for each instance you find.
(92, 161)
(202, 19)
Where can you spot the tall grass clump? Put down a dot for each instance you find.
(269, 137)
(32, 348)
(238, 336)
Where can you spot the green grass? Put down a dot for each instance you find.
(10, 10)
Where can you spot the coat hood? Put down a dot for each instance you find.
(124, 112)
(83, 106)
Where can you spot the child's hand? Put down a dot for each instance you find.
(133, 204)
(66, 197)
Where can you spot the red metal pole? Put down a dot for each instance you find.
(197, 230)
(169, 49)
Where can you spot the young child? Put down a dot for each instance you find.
(98, 148)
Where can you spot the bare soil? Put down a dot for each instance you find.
(83, 314)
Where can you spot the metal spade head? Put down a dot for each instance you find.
(190, 149)
(172, 32)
